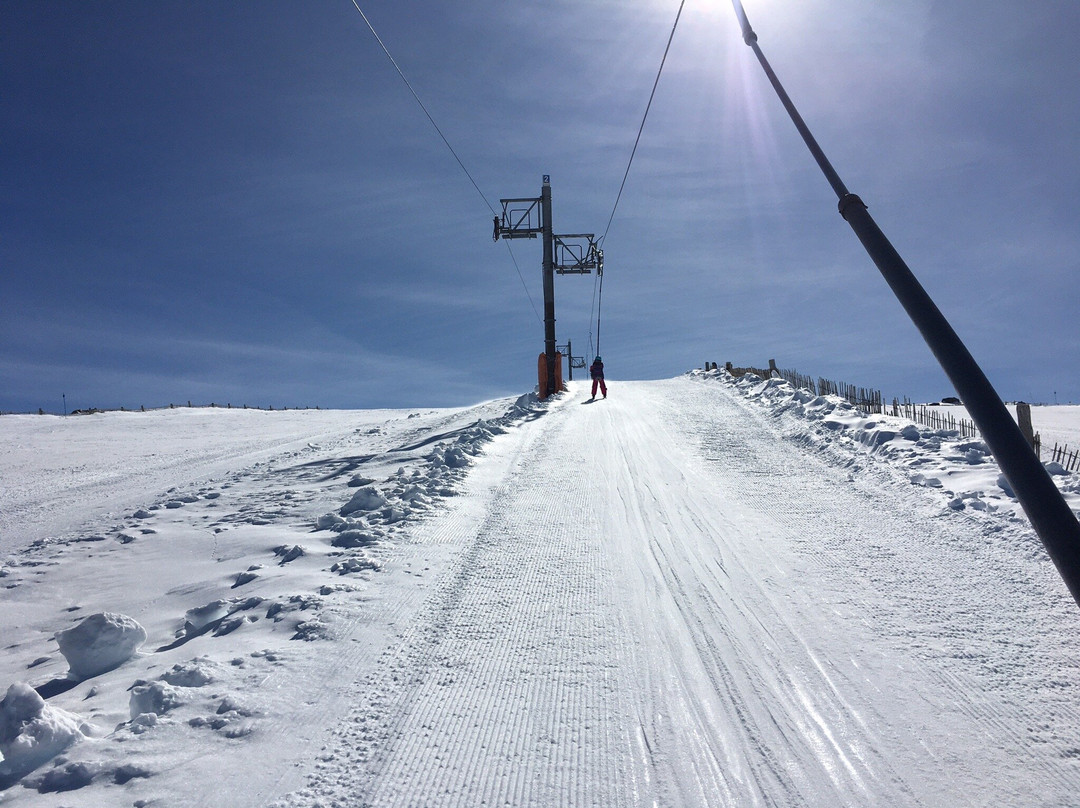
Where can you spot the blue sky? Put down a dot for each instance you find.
(241, 202)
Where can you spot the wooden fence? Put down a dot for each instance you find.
(869, 401)
(1070, 461)
(933, 418)
(864, 399)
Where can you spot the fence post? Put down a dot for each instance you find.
(1023, 418)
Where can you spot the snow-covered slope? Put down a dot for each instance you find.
(695, 592)
(962, 470)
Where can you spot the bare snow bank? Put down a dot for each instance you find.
(961, 471)
(407, 494)
(32, 732)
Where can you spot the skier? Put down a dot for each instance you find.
(596, 370)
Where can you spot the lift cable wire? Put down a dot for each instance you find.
(599, 303)
(451, 148)
(424, 108)
(593, 349)
(641, 128)
(524, 285)
(598, 284)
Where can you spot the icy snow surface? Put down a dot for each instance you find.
(696, 592)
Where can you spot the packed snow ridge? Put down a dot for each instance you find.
(961, 470)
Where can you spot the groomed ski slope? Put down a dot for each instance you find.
(698, 592)
(655, 599)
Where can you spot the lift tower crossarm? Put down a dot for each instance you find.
(576, 258)
(520, 222)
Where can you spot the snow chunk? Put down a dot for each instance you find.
(354, 538)
(1005, 485)
(925, 481)
(156, 698)
(99, 643)
(143, 722)
(32, 732)
(201, 616)
(366, 499)
(288, 554)
(196, 673)
(453, 457)
(329, 521)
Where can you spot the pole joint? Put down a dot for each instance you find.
(846, 201)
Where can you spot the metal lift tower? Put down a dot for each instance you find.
(571, 254)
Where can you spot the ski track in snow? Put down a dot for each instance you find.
(662, 603)
(676, 596)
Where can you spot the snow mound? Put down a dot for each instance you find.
(196, 673)
(408, 494)
(32, 732)
(99, 643)
(353, 538)
(75, 775)
(200, 617)
(355, 564)
(962, 470)
(366, 499)
(155, 697)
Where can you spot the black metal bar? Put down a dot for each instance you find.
(750, 38)
(1041, 500)
(549, 284)
(599, 302)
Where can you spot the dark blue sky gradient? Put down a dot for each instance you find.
(241, 202)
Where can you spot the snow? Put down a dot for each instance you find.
(962, 469)
(1057, 424)
(699, 591)
(32, 732)
(100, 643)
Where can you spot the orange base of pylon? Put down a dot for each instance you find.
(542, 376)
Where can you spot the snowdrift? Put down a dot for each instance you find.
(960, 471)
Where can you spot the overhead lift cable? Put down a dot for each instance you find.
(641, 128)
(598, 296)
(401, 73)
(1050, 514)
(424, 108)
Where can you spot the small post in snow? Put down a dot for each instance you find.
(1023, 420)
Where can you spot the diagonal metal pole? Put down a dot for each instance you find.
(1050, 515)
